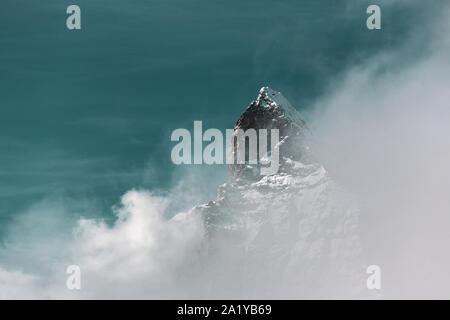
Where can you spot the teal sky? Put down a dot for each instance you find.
(88, 114)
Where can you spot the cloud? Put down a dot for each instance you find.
(138, 256)
(142, 248)
(383, 131)
(17, 285)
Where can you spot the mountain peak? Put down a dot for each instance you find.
(269, 98)
(271, 110)
(296, 221)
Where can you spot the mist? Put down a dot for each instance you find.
(383, 132)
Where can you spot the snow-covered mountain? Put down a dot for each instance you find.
(291, 234)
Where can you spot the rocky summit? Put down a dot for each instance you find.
(272, 110)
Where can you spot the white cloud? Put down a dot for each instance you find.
(384, 132)
(17, 285)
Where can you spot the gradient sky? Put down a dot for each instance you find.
(88, 114)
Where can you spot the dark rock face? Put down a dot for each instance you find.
(270, 111)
